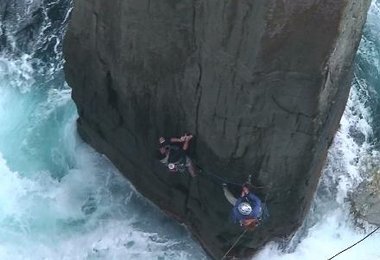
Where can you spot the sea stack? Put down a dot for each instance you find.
(262, 84)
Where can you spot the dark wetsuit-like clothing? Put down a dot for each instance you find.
(176, 154)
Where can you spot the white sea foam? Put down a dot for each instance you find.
(330, 226)
(84, 210)
(59, 199)
(17, 73)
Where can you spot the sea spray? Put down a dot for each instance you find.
(330, 226)
(59, 198)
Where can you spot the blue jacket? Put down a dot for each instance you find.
(255, 203)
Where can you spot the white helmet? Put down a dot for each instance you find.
(244, 208)
(171, 166)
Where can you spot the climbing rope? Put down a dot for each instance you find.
(221, 180)
(237, 241)
(361, 240)
(215, 177)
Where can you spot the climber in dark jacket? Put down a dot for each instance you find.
(173, 153)
(247, 209)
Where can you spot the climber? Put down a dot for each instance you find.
(173, 153)
(247, 209)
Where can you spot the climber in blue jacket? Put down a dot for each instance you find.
(247, 209)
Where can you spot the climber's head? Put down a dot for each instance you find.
(161, 141)
(246, 188)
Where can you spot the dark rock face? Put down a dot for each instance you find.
(262, 84)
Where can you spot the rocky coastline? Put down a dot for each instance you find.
(261, 84)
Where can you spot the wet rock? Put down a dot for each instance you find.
(20, 23)
(90, 206)
(130, 244)
(366, 200)
(358, 136)
(262, 84)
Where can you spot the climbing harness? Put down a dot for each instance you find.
(244, 208)
(361, 240)
(264, 214)
(234, 244)
(264, 209)
(177, 167)
(180, 162)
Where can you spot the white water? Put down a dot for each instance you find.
(61, 200)
(329, 227)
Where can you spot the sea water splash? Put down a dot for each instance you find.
(330, 226)
(59, 199)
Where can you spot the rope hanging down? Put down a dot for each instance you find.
(361, 240)
(237, 241)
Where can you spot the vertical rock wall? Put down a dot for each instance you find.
(262, 84)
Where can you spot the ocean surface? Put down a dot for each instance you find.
(59, 199)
